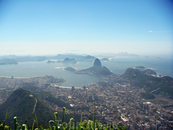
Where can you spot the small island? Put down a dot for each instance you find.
(70, 69)
(65, 61)
(49, 61)
(104, 59)
(140, 67)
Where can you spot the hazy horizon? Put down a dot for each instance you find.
(86, 27)
(105, 55)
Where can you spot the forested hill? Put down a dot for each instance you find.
(45, 95)
(157, 85)
(24, 105)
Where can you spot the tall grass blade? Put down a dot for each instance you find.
(71, 123)
(94, 115)
(55, 122)
(36, 119)
(15, 123)
(27, 125)
(6, 115)
(81, 118)
(63, 116)
(50, 128)
(23, 127)
(80, 125)
(33, 125)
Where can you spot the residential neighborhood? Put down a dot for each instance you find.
(111, 103)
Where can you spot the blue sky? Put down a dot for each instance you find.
(39, 27)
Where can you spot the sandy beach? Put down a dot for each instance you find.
(68, 87)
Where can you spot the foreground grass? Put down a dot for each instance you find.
(58, 124)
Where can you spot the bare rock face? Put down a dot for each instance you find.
(97, 63)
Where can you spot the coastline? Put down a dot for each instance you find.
(67, 87)
(14, 77)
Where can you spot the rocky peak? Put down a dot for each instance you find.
(97, 63)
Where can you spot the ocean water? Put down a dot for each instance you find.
(163, 67)
(34, 69)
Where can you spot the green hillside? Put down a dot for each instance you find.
(163, 85)
(45, 95)
(21, 104)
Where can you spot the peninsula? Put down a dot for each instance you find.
(96, 70)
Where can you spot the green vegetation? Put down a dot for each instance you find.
(26, 108)
(58, 102)
(147, 95)
(158, 85)
(149, 72)
(23, 104)
(58, 124)
(104, 84)
(46, 96)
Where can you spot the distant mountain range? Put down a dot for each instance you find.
(77, 57)
(121, 54)
(7, 61)
(88, 58)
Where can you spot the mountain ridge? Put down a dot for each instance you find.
(163, 85)
(24, 104)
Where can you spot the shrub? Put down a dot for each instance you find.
(58, 124)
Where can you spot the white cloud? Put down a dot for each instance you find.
(160, 31)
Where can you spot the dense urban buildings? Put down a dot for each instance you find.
(114, 99)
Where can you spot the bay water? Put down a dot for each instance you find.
(163, 67)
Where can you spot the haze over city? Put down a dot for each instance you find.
(107, 63)
(86, 27)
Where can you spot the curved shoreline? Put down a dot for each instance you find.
(67, 87)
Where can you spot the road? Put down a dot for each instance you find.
(34, 106)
